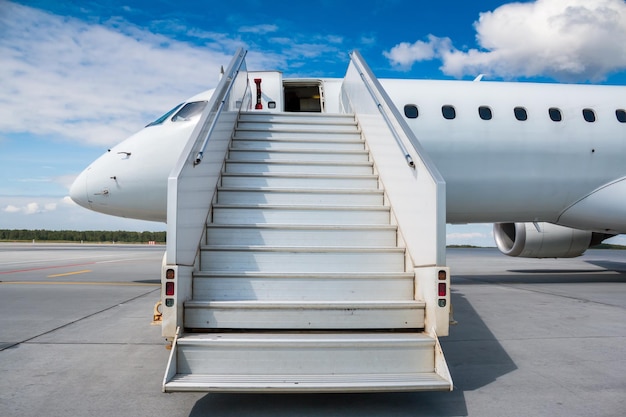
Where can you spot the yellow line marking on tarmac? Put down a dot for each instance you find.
(137, 284)
(69, 273)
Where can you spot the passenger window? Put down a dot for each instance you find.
(555, 114)
(448, 112)
(410, 111)
(589, 115)
(520, 113)
(485, 113)
(621, 115)
(189, 110)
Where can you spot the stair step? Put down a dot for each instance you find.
(304, 315)
(301, 259)
(303, 286)
(251, 356)
(308, 119)
(268, 166)
(267, 130)
(275, 144)
(301, 235)
(288, 127)
(300, 180)
(240, 195)
(305, 215)
(298, 155)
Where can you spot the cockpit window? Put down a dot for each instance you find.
(189, 110)
(164, 117)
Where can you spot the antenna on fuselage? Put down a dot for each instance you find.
(479, 78)
(221, 71)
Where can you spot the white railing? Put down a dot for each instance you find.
(416, 190)
(191, 185)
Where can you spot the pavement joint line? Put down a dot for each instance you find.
(11, 345)
(129, 284)
(521, 287)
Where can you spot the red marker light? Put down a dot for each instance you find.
(169, 288)
(442, 289)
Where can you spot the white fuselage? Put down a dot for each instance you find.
(570, 172)
(508, 170)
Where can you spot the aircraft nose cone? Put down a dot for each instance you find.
(78, 190)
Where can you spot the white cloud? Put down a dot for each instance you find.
(31, 208)
(98, 83)
(259, 29)
(568, 40)
(62, 214)
(12, 209)
(480, 234)
(92, 83)
(406, 54)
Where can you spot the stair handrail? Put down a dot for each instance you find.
(385, 106)
(182, 250)
(381, 109)
(364, 101)
(200, 154)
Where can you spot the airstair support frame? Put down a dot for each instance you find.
(192, 185)
(304, 320)
(416, 194)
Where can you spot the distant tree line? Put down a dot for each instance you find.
(82, 236)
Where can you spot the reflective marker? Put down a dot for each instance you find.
(442, 289)
(169, 288)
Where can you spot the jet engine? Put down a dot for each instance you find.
(544, 240)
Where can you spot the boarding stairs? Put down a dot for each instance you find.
(302, 284)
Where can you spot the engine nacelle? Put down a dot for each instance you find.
(543, 240)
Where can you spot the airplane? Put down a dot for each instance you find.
(543, 162)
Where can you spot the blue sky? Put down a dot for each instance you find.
(76, 77)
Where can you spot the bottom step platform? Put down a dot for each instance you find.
(304, 362)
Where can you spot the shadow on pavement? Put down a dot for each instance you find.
(475, 359)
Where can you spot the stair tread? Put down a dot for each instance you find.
(377, 304)
(296, 175)
(303, 226)
(297, 162)
(310, 382)
(346, 275)
(305, 190)
(291, 127)
(290, 248)
(313, 151)
(301, 207)
(308, 337)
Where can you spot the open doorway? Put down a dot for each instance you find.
(303, 97)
